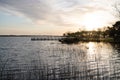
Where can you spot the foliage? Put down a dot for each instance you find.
(114, 31)
(111, 34)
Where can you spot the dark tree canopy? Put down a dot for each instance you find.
(117, 25)
(111, 34)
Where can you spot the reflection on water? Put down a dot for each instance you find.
(21, 59)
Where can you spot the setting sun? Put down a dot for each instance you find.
(59, 39)
(93, 21)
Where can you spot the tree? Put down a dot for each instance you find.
(116, 27)
(114, 31)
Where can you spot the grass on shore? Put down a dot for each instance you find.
(70, 40)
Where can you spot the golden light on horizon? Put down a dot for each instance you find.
(94, 21)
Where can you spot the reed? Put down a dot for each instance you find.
(61, 63)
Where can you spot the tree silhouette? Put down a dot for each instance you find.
(114, 31)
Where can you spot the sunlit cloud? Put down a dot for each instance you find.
(67, 13)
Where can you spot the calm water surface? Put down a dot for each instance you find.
(23, 59)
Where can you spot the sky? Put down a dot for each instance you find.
(55, 17)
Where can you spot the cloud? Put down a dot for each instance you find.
(29, 8)
(57, 12)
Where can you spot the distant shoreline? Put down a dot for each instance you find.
(27, 35)
(72, 40)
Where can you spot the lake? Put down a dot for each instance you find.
(23, 59)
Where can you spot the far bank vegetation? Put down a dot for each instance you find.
(109, 34)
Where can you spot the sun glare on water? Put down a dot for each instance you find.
(93, 21)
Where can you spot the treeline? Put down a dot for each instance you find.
(110, 34)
